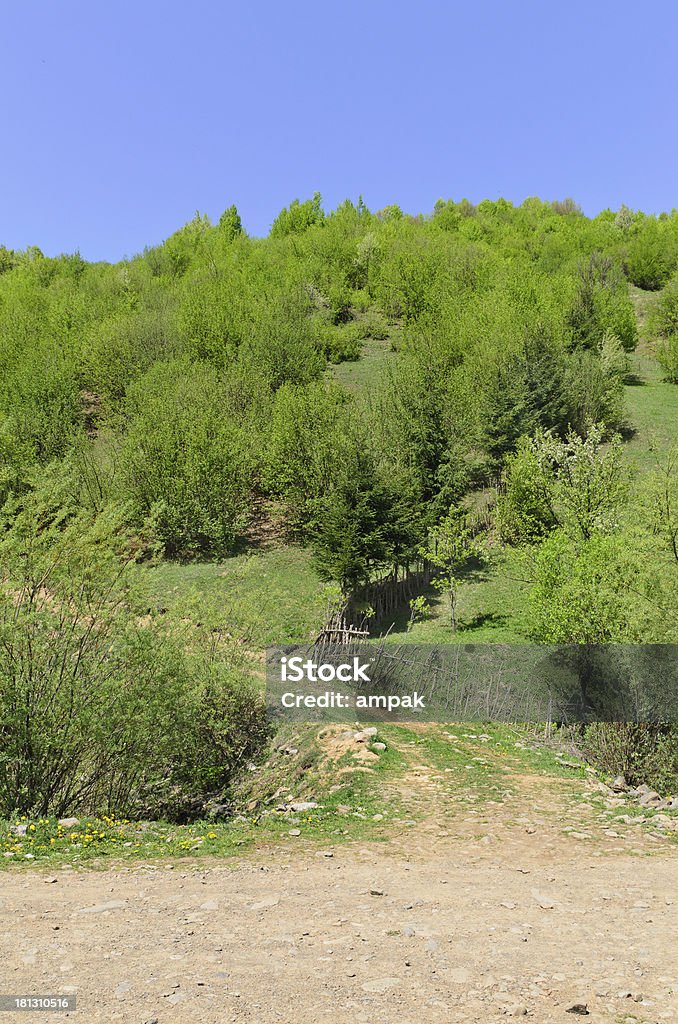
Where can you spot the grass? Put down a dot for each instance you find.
(94, 841)
(653, 412)
(265, 597)
(652, 404)
(360, 376)
(492, 606)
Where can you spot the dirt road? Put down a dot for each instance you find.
(471, 917)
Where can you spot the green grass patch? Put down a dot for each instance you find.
(95, 839)
(492, 607)
(653, 412)
(364, 374)
(266, 597)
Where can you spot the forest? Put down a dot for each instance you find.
(331, 408)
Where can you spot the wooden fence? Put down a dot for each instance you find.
(373, 604)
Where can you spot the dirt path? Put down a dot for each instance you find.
(483, 908)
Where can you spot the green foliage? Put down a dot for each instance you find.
(375, 325)
(524, 511)
(16, 460)
(298, 217)
(230, 225)
(578, 484)
(368, 253)
(601, 304)
(186, 464)
(582, 591)
(651, 255)
(595, 391)
(306, 445)
(365, 524)
(664, 500)
(508, 414)
(348, 533)
(419, 610)
(664, 323)
(451, 546)
(39, 390)
(624, 218)
(341, 343)
(97, 712)
(185, 393)
(123, 347)
(667, 357)
(7, 260)
(183, 245)
(664, 316)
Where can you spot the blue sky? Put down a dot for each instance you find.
(119, 120)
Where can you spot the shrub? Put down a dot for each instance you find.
(642, 753)
(601, 304)
(341, 344)
(578, 484)
(375, 325)
(184, 462)
(16, 459)
(650, 257)
(40, 394)
(99, 713)
(524, 510)
(667, 357)
(582, 591)
(305, 445)
(664, 317)
(595, 395)
(122, 347)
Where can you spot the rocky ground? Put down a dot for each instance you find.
(532, 903)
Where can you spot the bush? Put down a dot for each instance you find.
(305, 446)
(650, 257)
(42, 399)
(16, 458)
(664, 317)
(595, 395)
(341, 344)
(185, 464)
(121, 348)
(642, 753)
(375, 325)
(524, 510)
(667, 357)
(99, 713)
(582, 591)
(601, 304)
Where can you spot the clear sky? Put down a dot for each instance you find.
(119, 120)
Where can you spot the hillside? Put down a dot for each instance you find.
(214, 445)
